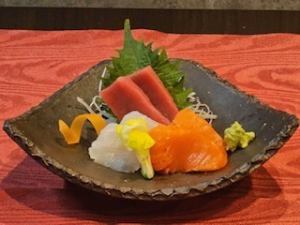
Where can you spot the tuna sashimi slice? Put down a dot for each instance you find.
(153, 87)
(124, 96)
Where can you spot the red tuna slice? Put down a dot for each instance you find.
(153, 87)
(124, 96)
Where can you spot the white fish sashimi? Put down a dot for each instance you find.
(109, 151)
(135, 114)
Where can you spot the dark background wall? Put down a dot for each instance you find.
(167, 20)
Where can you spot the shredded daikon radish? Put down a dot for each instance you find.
(102, 76)
(200, 108)
(94, 103)
(97, 105)
(88, 108)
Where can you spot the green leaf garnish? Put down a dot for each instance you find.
(136, 55)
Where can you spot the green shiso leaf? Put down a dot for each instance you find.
(137, 55)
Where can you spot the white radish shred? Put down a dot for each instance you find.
(102, 76)
(94, 103)
(88, 108)
(94, 106)
(200, 108)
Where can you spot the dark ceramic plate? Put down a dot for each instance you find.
(36, 132)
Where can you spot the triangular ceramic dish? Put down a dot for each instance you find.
(36, 131)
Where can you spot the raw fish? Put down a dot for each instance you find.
(124, 96)
(188, 144)
(135, 114)
(154, 88)
(108, 149)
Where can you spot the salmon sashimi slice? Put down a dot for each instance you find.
(188, 144)
(124, 96)
(153, 87)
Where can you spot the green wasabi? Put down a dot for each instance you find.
(235, 136)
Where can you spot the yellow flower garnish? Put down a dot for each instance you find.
(134, 135)
(72, 134)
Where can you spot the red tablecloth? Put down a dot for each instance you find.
(35, 64)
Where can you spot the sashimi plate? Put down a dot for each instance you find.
(36, 131)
